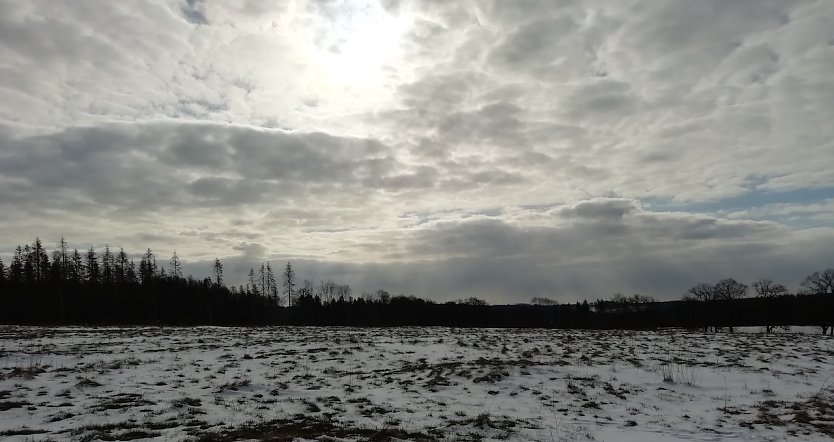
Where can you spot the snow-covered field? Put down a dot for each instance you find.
(412, 383)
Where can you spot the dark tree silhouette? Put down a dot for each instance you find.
(288, 282)
(40, 261)
(63, 256)
(326, 291)
(92, 273)
(821, 285)
(729, 289)
(253, 286)
(16, 274)
(76, 273)
(704, 294)
(472, 301)
(769, 291)
(147, 267)
(108, 266)
(306, 289)
(59, 287)
(766, 288)
(272, 286)
(383, 297)
(176, 266)
(122, 265)
(218, 272)
(543, 301)
(262, 288)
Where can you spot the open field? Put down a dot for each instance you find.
(330, 383)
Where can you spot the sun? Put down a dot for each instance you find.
(358, 42)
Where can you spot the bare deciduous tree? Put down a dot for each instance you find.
(543, 301)
(822, 283)
(768, 290)
(701, 292)
(729, 288)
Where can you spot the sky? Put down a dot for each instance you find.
(498, 149)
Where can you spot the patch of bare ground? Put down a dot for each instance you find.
(812, 414)
(8, 405)
(24, 431)
(115, 432)
(306, 427)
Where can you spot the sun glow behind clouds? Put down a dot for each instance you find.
(358, 43)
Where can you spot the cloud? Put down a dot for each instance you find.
(601, 208)
(252, 251)
(155, 166)
(659, 254)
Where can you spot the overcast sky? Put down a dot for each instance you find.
(504, 149)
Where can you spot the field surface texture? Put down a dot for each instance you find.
(330, 383)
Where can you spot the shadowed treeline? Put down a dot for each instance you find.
(70, 287)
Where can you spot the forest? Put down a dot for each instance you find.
(108, 287)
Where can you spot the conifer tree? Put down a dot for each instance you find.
(28, 265)
(147, 267)
(16, 266)
(76, 273)
(93, 271)
(63, 258)
(289, 283)
(176, 266)
(218, 272)
(108, 267)
(40, 261)
(130, 275)
(262, 277)
(122, 264)
(271, 284)
(253, 286)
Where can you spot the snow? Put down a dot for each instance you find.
(468, 384)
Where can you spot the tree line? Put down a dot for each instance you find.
(719, 304)
(108, 287)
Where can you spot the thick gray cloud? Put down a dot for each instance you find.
(659, 254)
(493, 148)
(155, 166)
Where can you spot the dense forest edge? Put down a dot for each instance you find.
(107, 287)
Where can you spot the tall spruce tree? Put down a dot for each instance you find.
(92, 269)
(40, 261)
(63, 257)
(253, 286)
(147, 267)
(272, 290)
(76, 273)
(16, 266)
(176, 266)
(122, 264)
(218, 272)
(288, 281)
(108, 266)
